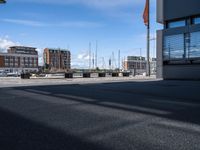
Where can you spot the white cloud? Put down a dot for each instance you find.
(108, 3)
(24, 22)
(5, 43)
(83, 56)
(81, 60)
(91, 3)
(80, 24)
(74, 24)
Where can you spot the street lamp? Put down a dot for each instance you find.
(2, 1)
(154, 45)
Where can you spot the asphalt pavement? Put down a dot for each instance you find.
(131, 115)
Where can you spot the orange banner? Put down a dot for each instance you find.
(146, 13)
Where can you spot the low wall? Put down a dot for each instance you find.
(183, 72)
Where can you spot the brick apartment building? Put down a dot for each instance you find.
(19, 59)
(138, 64)
(57, 59)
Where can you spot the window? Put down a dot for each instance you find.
(196, 20)
(174, 47)
(194, 48)
(182, 47)
(175, 24)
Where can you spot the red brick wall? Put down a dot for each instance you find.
(2, 63)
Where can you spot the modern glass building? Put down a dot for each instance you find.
(178, 44)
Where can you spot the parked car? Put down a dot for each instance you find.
(12, 74)
(2, 73)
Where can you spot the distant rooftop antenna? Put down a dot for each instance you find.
(90, 55)
(96, 58)
(110, 63)
(119, 57)
(113, 61)
(103, 63)
(93, 60)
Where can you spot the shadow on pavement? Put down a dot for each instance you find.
(18, 133)
(174, 100)
(179, 99)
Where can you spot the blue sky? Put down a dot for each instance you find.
(115, 24)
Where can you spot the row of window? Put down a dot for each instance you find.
(22, 65)
(18, 58)
(58, 51)
(22, 62)
(136, 65)
(182, 23)
(182, 46)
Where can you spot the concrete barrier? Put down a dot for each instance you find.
(109, 74)
(68, 75)
(94, 75)
(115, 74)
(55, 76)
(126, 74)
(86, 75)
(77, 75)
(25, 76)
(102, 74)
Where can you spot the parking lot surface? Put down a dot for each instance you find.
(128, 114)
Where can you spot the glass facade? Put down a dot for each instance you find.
(174, 47)
(175, 24)
(182, 47)
(194, 49)
(196, 20)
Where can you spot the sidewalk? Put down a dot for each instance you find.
(16, 81)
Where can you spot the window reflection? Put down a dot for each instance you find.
(194, 50)
(196, 20)
(175, 24)
(182, 46)
(174, 47)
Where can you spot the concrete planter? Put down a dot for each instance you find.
(115, 74)
(126, 74)
(25, 76)
(94, 75)
(86, 75)
(68, 75)
(77, 75)
(102, 74)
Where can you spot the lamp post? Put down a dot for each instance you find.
(140, 58)
(153, 39)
